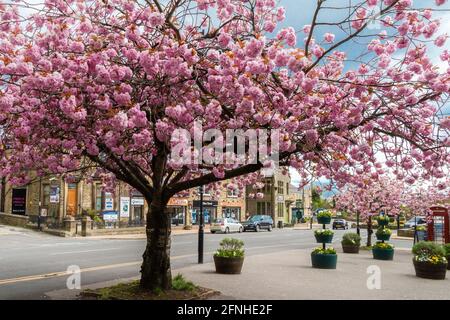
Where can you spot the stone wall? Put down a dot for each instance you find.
(13, 219)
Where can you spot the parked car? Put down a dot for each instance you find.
(258, 222)
(421, 221)
(340, 224)
(226, 225)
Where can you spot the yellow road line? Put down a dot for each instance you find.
(90, 269)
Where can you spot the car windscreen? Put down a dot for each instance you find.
(218, 220)
(254, 218)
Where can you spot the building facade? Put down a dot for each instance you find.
(56, 199)
(280, 199)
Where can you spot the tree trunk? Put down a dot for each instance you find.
(155, 269)
(369, 232)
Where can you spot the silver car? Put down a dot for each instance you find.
(226, 225)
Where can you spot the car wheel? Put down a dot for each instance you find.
(240, 229)
(269, 229)
(257, 229)
(213, 232)
(227, 230)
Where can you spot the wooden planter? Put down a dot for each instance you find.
(383, 254)
(350, 248)
(429, 270)
(324, 261)
(228, 265)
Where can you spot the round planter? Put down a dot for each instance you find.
(384, 237)
(383, 254)
(228, 265)
(429, 270)
(350, 248)
(324, 220)
(383, 222)
(324, 238)
(324, 261)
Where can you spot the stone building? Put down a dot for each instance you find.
(124, 207)
(279, 199)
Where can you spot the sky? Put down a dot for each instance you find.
(300, 13)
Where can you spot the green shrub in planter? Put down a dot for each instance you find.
(324, 235)
(229, 258)
(447, 254)
(383, 234)
(383, 251)
(430, 260)
(324, 258)
(351, 242)
(324, 217)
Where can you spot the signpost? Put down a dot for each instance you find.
(201, 231)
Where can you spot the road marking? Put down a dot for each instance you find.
(82, 251)
(90, 269)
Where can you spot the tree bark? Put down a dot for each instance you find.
(155, 270)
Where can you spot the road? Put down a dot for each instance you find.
(33, 264)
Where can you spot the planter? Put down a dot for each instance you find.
(228, 265)
(429, 270)
(383, 222)
(324, 238)
(324, 220)
(384, 237)
(324, 261)
(350, 248)
(383, 254)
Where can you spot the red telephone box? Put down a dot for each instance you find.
(438, 225)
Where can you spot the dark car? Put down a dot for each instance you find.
(340, 224)
(258, 222)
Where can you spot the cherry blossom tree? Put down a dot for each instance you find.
(100, 86)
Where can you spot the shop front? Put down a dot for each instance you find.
(232, 212)
(137, 216)
(209, 211)
(177, 209)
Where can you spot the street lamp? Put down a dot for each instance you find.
(357, 223)
(201, 231)
(40, 204)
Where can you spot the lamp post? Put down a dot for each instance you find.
(357, 223)
(40, 204)
(201, 231)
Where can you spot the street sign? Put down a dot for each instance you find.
(109, 201)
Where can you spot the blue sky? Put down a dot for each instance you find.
(300, 12)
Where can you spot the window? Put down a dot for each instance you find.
(99, 199)
(280, 210)
(268, 208)
(46, 195)
(267, 186)
(280, 187)
(287, 188)
(233, 193)
(260, 207)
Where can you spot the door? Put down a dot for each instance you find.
(71, 207)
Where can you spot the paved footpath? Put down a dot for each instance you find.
(289, 275)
